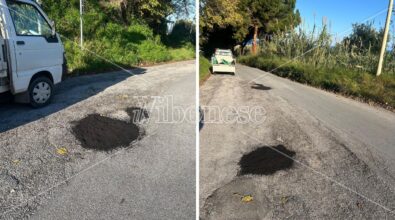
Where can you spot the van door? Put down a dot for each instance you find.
(36, 48)
(4, 80)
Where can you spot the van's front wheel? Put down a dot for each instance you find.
(40, 92)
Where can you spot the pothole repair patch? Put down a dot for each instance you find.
(266, 160)
(102, 133)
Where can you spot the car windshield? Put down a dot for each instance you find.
(28, 20)
(223, 53)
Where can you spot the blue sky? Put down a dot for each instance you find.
(342, 13)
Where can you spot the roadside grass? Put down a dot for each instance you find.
(186, 52)
(349, 82)
(102, 58)
(204, 69)
(127, 53)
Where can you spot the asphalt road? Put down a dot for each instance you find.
(153, 178)
(344, 162)
(371, 126)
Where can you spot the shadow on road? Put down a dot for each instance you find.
(67, 93)
(201, 118)
(224, 73)
(260, 87)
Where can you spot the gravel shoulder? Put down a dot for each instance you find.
(152, 178)
(324, 184)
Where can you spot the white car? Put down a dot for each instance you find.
(32, 57)
(223, 61)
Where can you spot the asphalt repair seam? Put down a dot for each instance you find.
(266, 161)
(104, 134)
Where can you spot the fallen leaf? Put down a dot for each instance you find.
(123, 97)
(284, 200)
(360, 205)
(280, 139)
(61, 151)
(247, 198)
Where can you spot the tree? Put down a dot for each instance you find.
(364, 38)
(220, 14)
(155, 12)
(182, 33)
(99, 12)
(270, 16)
(246, 16)
(184, 8)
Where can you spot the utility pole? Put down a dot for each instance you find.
(81, 24)
(385, 38)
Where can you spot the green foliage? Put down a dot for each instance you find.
(271, 16)
(182, 33)
(134, 45)
(184, 8)
(220, 14)
(110, 37)
(365, 38)
(204, 68)
(316, 48)
(238, 16)
(153, 12)
(221, 25)
(153, 51)
(186, 52)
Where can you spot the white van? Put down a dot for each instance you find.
(223, 61)
(32, 57)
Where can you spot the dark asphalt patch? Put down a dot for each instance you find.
(6, 98)
(266, 161)
(104, 134)
(137, 114)
(260, 87)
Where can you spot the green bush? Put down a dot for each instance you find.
(152, 51)
(185, 52)
(108, 40)
(124, 46)
(182, 33)
(204, 68)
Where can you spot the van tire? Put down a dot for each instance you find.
(43, 85)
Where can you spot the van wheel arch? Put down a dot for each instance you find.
(42, 74)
